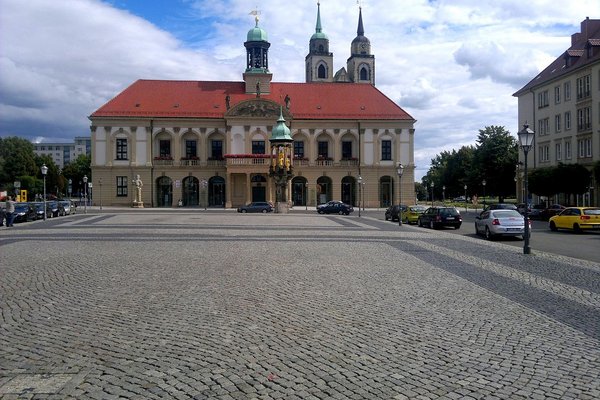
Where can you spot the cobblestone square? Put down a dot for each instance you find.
(220, 305)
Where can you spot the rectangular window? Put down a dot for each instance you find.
(568, 150)
(258, 147)
(386, 149)
(557, 125)
(583, 87)
(121, 149)
(558, 151)
(556, 94)
(191, 148)
(216, 147)
(584, 119)
(121, 186)
(543, 99)
(164, 147)
(567, 120)
(584, 148)
(544, 153)
(544, 126)
(323, 149)
(567, 90)
(346, 150)
(298, 149)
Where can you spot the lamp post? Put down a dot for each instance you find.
(483, 183)
(400, 170)
(431, 193)
(100, 182)
(444, 194)
(306, 196)
(85, 179)
(466, 203)
(526, 137)
(44, 172)
(70, 188)
(17, 186)
(359, 192)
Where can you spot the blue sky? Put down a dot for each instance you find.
(452, 64)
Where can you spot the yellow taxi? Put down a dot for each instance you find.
(577, 219)
(411, 214)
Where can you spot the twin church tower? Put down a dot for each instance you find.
(360, 66)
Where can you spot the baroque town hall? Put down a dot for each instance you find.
(206, 143)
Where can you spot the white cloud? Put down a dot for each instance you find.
(453, 65)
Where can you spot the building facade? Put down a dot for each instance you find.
(64, 153)
(206, 143)
(562, 106)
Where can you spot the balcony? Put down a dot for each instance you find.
(349, 162)
(324, 162)
(189, 162)
(301, 162)
(247, 159)
(163, 161)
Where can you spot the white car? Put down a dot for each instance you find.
(496, 223)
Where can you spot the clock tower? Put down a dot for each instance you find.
(257, 76)
(361, 64)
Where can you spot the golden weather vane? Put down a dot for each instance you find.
(256, 13)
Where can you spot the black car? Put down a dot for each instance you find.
(24, 212)
(38, 208)
(335, 207)
(56, 209)
(256, 206)
(437, 217)
(392, 212)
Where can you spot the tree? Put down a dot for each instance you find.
(596, 170)
(541, 181)
(495, 158)
(76, 170)
(16, 159)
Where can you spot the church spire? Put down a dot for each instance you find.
(361, 30)
(318, 28)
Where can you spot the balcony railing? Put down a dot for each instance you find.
(323, 162)
(163, 161)
(300, 162)
(215, 162)
(189, 162)
(350, 162)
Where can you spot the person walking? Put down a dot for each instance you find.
(10, 211)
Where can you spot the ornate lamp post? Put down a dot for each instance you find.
(359, 192)
(306, 196)
(85, 180)
(100, 182)
(484, 183)
(400, 170)
(431, 193)
(526, 137)
(466, 202)
(281, 162)
(69, 188)
(444, 193)
(44, 172)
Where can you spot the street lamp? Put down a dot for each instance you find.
(466, 203)
(444, 193)
(100, 182)
(484, 183)
(359, 192)
(70, 188)
(526, 137)
(431, 193)
(400, 170)
(85, 179)
(44, 172)
(306, 196)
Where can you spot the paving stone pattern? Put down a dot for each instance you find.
(218, 305)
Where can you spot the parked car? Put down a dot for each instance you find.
(436, 217)
(501, 206)
(411, 215)
(551, 211)
(24, 212)
(494, 223)
(66, 207)
(392, 212)
(55, 208)
(577, 219)
(256, 206)
(536, 211)
(521, 208)
(335, 207)
(460, 199)
(39, 209)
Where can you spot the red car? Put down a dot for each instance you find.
(551, 211)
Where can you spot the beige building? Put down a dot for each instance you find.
(64, 153)
(562, 106)
(206, 144)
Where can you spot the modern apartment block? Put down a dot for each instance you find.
(206, 143)
(64, 153)
(562, 105)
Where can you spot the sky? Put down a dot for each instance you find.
(452, 64)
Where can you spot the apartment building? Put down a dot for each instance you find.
(562, 105)
(64, 153)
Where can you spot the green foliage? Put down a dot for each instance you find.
(596, 171)
(564, 178)
(541, 182)
(493, 158)
(76, 170)
(16, 159)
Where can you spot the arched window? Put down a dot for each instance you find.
(364, 74)
(321, 48)
(322, 72)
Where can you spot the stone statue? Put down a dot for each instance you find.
(138, 189)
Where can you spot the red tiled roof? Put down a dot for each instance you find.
(206, 99)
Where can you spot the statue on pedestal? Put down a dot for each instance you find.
(137, 202)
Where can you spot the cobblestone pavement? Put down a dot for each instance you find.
(180, 305)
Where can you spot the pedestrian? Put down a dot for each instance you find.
(10, 211)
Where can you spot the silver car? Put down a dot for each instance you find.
(495, 223)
